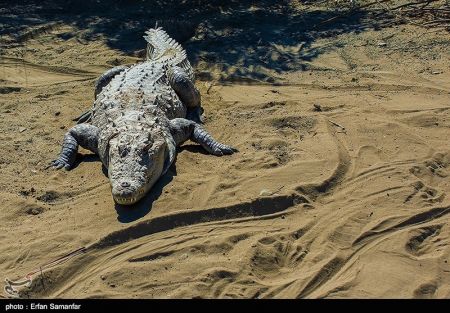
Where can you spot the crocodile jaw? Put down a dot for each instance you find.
(131, 199)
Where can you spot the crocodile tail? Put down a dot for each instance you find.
(162, 48)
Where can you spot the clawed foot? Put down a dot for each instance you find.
(222, 149)
(59, 163)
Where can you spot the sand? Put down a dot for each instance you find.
(339, 190)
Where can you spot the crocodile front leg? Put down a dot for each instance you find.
(183, 129)
(84, 135)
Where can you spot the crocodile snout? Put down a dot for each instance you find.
(124, 193)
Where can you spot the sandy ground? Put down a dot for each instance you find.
(340, 188)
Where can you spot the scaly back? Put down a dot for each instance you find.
(162, 48)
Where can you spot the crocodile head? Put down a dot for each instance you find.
(137, 158)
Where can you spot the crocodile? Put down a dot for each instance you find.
(141, 113)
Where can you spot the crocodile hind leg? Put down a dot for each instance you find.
(101, 82)
(84, 135)
(183, 129)
(185, 89)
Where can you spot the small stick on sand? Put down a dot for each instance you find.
(209, 88)
(338, 125)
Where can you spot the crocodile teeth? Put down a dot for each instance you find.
(126, 200)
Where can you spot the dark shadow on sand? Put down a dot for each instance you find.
(245, 40)
(81, 158)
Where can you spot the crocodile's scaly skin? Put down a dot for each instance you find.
(139, 117)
